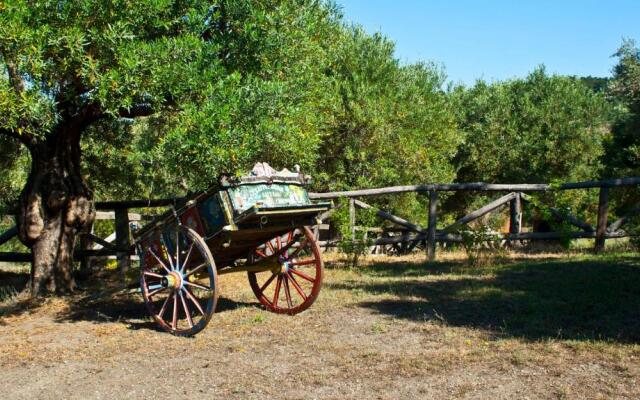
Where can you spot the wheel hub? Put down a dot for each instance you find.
(172, 280)
(284, 267)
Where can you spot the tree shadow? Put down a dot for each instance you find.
(569, 299)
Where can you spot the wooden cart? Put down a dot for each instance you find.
(256, 224)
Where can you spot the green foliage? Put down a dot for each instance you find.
(623, 148)
(353, 243)
(380, 105)
(14, 165)
(538, 129)
(595, 83)
(479, 244)
(556, 220)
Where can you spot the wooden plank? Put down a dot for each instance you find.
(449, 237)
(100, 241)
(482, 211)
(431, 229)
(123, 241)
(328, 213)
(111, 238)
(456, 238)
(352, 218)
(390, 217)
(564, 216)
(102, 253)
(15, 257)
(478, 186)
(8, 235)
(515, 214)
(112, 205)
(617, 224)
(601, 227)
(107, 215)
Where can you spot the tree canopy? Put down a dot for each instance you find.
(538, 129)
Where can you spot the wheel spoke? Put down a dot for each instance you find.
(159, 260)
(177, 248)
(260, 253)
(197, 285)
(153, 274)
(301, 263)
(278, 242)
(266, 284)
(287, 291)
(270, 245)
(302, 246)
(194, 300)
(276, 295)
(170, 257)
(160, 289)
(196, 269)
(164, 306)
(174, 322)
(297, 287)
(187, 257)
(302, 275)
(186, 310)
(290, 237)
(284, 250)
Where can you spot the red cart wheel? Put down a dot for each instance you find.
(294, 282)
(180, 285)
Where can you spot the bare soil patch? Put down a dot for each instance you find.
(533, 327)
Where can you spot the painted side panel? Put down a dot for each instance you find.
(244, 197)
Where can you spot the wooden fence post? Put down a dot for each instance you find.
(601, 228)
(85, 244)
(123, 242)
(431, 230)
(515, 215)
(352, 218)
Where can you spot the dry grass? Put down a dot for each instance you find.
(546, 326)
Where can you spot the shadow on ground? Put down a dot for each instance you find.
(570, 299)
(93, 305)
(128, 309)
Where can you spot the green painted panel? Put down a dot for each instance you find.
(246, 196)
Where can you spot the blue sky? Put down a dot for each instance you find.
(499, 39)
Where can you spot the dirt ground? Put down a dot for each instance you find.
(543, 328)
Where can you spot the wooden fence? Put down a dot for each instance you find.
(515, 198)
(119, 244)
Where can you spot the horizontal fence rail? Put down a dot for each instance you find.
(477, 186)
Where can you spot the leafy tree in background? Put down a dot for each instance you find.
(277, 98)
(534, 130)
(622, 156)
(596, 84)
(392, 124)
(538, 129)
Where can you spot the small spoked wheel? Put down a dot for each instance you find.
(293, 281)
(179, 282)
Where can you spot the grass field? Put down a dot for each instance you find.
(545, 326)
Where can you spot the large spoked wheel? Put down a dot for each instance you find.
(295, 278)
(180, 283)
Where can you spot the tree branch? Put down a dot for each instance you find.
(138, 110)
(15, 79)
(24, 138)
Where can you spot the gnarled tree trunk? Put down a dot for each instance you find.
(55, 205)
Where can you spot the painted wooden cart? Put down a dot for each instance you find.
(255, 224)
